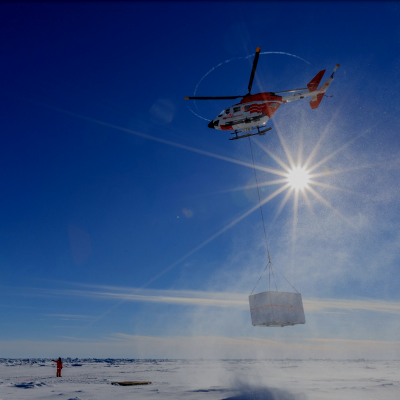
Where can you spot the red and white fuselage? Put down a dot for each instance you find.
(255, 110)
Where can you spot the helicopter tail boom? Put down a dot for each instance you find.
(314, 103)
(313, 85)
(325, 86)
(319, 93)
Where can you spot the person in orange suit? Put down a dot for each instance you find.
(59, 366)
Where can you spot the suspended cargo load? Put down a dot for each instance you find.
(276, 309)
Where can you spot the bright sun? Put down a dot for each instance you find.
(298, 178)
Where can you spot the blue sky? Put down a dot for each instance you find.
(112, 187)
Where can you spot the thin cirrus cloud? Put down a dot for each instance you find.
(219, 299)
(69, 316)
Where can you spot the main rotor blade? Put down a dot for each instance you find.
(213, 98)
(293, 90)
(253, 71)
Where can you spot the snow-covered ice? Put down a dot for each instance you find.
(90, 379)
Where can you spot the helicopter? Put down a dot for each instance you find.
(254, 110)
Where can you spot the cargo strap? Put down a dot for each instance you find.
(259, 200)
(269, 265)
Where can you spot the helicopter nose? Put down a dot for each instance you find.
(211, 125)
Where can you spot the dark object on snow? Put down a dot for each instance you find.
(131, 383)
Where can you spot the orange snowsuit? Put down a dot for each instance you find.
(59, 367)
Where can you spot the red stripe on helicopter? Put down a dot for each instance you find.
(226, 128)
(265, 108)
(258, 108)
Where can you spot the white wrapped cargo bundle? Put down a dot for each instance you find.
(276, 309)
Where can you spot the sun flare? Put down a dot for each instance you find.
(298, 178)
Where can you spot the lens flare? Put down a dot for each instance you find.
(298, 178)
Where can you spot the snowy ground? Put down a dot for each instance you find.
(201, 379)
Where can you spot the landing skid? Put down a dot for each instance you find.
(250, 134)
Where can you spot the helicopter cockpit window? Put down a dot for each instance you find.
(236, 109)
(227, 111)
